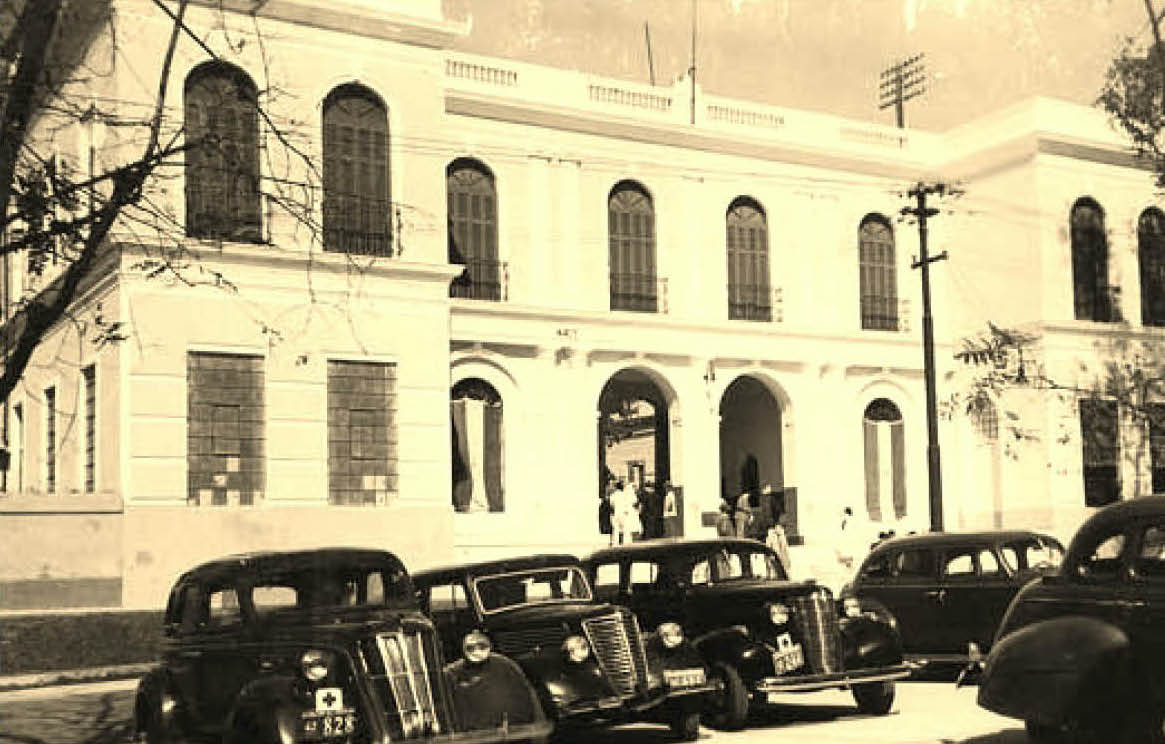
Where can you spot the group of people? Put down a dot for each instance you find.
(756, 513)
(628, 513)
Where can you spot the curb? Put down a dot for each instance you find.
(11, 682)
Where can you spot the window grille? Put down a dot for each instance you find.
(1100, 451)
(1151, 257)
(747, 244)
(89, 380)
(473, 231)
(362, 445)
(50, 455)
(357, 207)
(225, 433)
(1092, 296)
(878, 275)
(631, 231)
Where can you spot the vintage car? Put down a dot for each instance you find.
(1083, 650)
(589, 661)
(949, 590)
(761, 634)
(322, 646)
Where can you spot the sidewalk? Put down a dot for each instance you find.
(125, 672)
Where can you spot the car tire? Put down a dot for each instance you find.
(150, 727)
(686, 725)
(731, 706)
(875, 698)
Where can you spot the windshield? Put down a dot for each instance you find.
(1032, 552)
(735, 565)
(537, 586)
(335, 587)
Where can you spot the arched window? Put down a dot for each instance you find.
(878, 274)
(357, 207)
(1151, 256)
(631, 228)
(222, 164)
(473, 230)
(885, 461)
(1091, 292)
(747, 244)
(476, 413)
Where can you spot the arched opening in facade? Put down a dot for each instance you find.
(885, 461)
(752, 449)
(475, 410)
(634, 441)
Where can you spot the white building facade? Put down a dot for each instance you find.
(499, 261)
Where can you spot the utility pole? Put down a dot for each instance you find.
(921, 212)
(901, 82)
(650, 62)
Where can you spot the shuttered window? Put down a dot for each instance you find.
(356, 187)
(878, 274)
(1090, 263)
(50, 439)
(1156, 415)
(1101, 450)
(222, 164)
(1151, 257)
(473, 230)
(747, 244)
(631, 231)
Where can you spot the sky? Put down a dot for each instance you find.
(825, 55)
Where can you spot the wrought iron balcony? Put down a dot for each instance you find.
(644, 293)
(881, 313)
(483, 279)
(757, 302)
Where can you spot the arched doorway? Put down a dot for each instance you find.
(883, 436)
(635, 442)
(475, 411)
(751, 454)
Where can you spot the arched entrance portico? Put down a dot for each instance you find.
(634, 438)
(752, 441)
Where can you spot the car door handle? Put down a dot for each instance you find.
(937, 594)
(1132, 604)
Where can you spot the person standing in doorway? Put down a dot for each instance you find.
(625, 514)
(743, 515)
(605, 513)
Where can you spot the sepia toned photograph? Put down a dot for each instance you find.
(574, 371)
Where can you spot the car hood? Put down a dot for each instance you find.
(759, 590)
(338, 625)
(570, 613)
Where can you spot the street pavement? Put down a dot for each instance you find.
(924, 712)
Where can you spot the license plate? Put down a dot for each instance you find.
(341, 723)
(683, 677)
(789, 659)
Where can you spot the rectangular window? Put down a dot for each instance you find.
(1101, 450)
(50, 440)
(362, 454)
(89, 379)
(225, 445)
(1157, 445)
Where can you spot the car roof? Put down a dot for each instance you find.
(947, 539)
(284, 561)
(667, 547)
(439, 574)
(1113, 517)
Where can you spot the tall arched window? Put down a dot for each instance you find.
(1151, 256)
(222, 164)
(1091, 293)
(476, 413)
(747, 244)
(473, 230)
(631, 228)
(878, 274)
(885, 461)
(357, 206)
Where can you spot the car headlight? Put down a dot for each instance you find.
(475, 647)
(576, 649)
(778, 613)
(670, 634)
(315, 664)
(851, 607)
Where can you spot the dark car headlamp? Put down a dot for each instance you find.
(670, 634)
(476, 647)
(778, 613)
(315, 664)
(576, 649)
(851, 607)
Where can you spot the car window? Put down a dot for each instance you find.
(877, 567)
(1037, 551)
(224, 608)
(700, 573)
(195, 609)
(643, 572)
(607, 576)
(1151, 561)
(266, 598)
(447, 598)
(988, 563)
(537, 586)
(960, 565)
(1104, 561)
(916, 564)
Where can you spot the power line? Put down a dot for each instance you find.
(901, 82)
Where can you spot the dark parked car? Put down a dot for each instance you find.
(761, 634)
(949, 590)
(1084, 649)
(588, 660)
(321, 645)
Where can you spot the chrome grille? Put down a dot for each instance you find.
(527, 640)
(401, 666)
(618, 648)
(816, 618)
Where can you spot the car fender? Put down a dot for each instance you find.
(735, 646)
(157, 708)
(869, 641)
(1067, 668)
(266, 710)
(492, 693)
(559, 682)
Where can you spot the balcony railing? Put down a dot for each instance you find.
(885, 313)
(483, 279)
(643, 293)
(758, 302)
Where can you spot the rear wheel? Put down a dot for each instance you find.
(686, 725)
(875, 698)
(730, 709)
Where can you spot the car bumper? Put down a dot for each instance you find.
(523, 732)
(810, 682)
